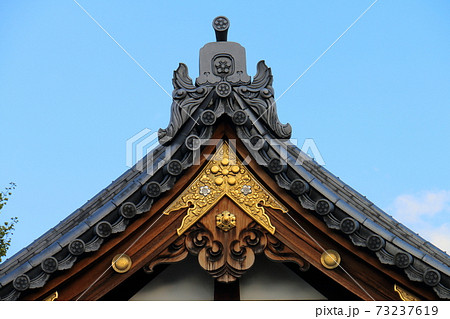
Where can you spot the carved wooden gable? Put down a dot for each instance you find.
(226, 224)
(225, 185)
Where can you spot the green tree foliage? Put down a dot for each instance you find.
(7, 228)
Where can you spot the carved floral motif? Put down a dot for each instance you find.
(225, 175)
(223, 65)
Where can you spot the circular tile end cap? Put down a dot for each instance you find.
(239, 117)
(324, 207)
(21, 283)
(49, 265)
(153, 189)
(276, 166)
(221, 23)
(103, 229)
(128, 210)
(193, 142)
(299, 187)
(432, 277)
(375, 242)
(174, 167)
(77, 247)
(208, 117)
(348, 225)
(223, 89)
(403, 260)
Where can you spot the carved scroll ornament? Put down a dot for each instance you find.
(227, 258)
(186, 100)
(259, 95)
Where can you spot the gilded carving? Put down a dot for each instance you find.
(225, 175)
(226, 221)
(53, 297)
(404, 294)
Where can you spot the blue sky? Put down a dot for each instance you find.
(377, 104)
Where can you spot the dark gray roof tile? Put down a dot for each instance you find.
(100, 213)
(47, 252)
(10, 276)
(434, 263)
(73, 234)
(12, 261)
(408, 247)
(351, 211)
(377, 229)
(325, 191)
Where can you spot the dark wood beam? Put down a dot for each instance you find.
(227, 291)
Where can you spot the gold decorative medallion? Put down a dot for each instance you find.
(330, 259)
(51, 297)
(121, 263)
(226, 221)
(404, 294)
(225, 175)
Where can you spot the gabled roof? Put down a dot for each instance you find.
(224, 92)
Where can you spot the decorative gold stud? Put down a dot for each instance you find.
(215, 169)
(121, 263)
(226, 221)
(330, 259)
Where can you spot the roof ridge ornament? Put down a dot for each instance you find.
(222, 61)
(223, 86)
(221, 25)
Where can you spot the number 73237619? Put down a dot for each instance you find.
(407, 310)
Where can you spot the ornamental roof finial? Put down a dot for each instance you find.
(221, 25)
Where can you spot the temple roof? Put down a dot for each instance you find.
(224, 92)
